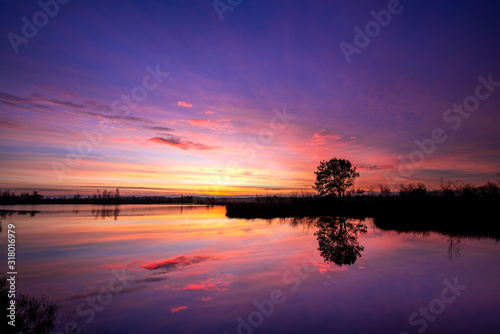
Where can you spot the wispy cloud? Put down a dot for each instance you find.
(217, 125)
(8, 124)
(177, 309)
(158, 128)
(217, 283)
(184, 104)
(6, 98)
(112, 266)
(174, 263)
(41, 99)
(322, 139)
(68, 104)
(183, 144)
(371, 166)
(115, 117)
(151, 279)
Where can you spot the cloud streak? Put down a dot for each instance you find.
(321, 139)
(115, 117)
(158, 128)
(216, 126)
(184, 104)
(183, 144)
(208, 285)
(177, 309)
(177, 262)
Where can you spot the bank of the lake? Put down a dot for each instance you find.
(468, 216)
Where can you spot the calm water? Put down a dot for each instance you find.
(189, 269)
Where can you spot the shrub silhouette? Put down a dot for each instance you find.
(33, 315)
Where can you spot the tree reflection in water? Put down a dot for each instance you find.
(455, 245)
(106, 213)
(338, 239)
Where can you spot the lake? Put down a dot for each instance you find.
(190, 269)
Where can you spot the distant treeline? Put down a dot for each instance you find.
(104, 196)
(413, 190)
(99, 197)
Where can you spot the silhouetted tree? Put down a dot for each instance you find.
(490, 189)
(36, 196)
(467, 190)
(338, 239)
(447, 188)
(384, 190)
(413, 189)
(335, 177)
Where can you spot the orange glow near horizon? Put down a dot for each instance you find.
(210, 157)
(243, 113)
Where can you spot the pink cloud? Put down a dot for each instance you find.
(179, 261)
(177, 309)
(322, 139)
(198, 287)
(218, 125)
(217, 283)
(112, 266)
(184, 104)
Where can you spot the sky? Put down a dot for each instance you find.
(236, 97)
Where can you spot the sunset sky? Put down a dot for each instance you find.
(165, 97)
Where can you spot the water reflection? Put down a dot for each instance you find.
(455, 245)
(337, 236)
(338, 239)
(8, 213)
(189, 269)
(105, 213)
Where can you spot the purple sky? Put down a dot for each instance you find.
(251, 103)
